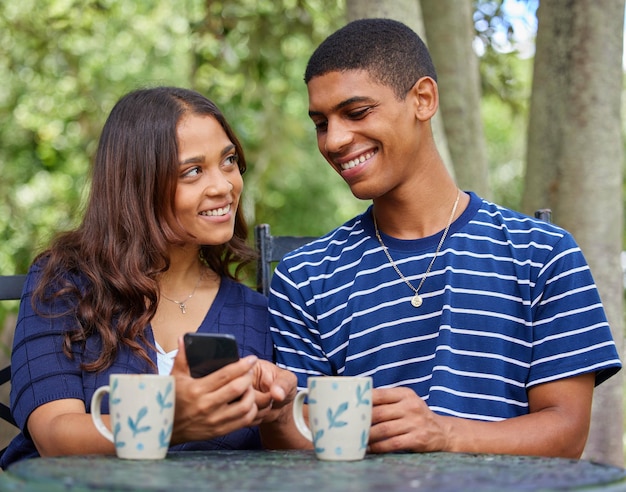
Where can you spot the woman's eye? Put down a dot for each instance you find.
(192, 172)
(232, 160)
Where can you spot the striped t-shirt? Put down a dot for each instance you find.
(509, 303)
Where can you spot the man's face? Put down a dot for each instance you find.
(366, 134)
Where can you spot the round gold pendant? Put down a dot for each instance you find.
(416, 301)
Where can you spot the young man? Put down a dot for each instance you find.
(482, 327)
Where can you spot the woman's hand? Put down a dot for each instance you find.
(213, 405)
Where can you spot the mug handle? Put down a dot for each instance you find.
(96, 416)
(298, 416)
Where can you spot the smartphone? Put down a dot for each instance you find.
(208, 352)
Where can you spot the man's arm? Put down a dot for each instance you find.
(275, 389)
(557, 423)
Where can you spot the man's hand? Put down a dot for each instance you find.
(401, 421)
(275, 389)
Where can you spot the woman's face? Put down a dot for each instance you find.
(209, 181)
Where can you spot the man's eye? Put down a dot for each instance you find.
(358, 114)
(321, 126)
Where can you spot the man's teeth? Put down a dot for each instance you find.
(217, 211)
(355, 162)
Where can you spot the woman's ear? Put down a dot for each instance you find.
(425, 94)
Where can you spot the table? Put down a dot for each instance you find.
(300, 471)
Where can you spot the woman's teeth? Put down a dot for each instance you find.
(355, 162)
(217, 211)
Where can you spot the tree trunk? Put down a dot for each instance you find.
(410, 13)
(450, 32)
(574, 164)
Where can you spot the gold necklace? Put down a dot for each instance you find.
(183, 304)
(416, 300)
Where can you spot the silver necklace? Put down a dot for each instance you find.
(416, 300)
(183, 304)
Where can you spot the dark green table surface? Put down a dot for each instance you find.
(300, 471)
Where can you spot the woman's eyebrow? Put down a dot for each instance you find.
(193, 160)
(197, 159)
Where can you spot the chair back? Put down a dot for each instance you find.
(544, 214)
(11, 287)
(10, 290)
(271, 250)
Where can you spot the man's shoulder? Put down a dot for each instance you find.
(499, 218)
(344, 236)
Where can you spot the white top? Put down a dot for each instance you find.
(165, 361)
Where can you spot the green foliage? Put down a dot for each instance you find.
(506, 79)
(504, 122)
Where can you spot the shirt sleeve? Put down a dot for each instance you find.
(40, 371)
(294, 330)
(571, 334)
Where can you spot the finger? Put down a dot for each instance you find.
(280, 383)
(180, 361)
(285, 386)
(262, 400)
(385, 396)
(230, 372)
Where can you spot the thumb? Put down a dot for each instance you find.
(181, 366)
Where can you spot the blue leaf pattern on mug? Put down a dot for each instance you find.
(116, 432)
(112, 392)
(318, 435)
(164, 437)
(134, 424)
(310, 398)
(364, 438)
(360, 394)
(332, 417)
(162, 397)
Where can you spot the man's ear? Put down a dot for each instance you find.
(425, 94)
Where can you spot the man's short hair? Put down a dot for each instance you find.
(392, 53)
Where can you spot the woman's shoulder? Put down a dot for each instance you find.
(237, 290)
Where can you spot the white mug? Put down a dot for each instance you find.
(141, 408)
(340, 416)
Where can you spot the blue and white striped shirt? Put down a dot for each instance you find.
(509, 303)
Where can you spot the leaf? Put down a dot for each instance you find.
(332, 417)
(360, 395)
(134, 425)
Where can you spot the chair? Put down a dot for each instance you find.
(10, 290)
(271, 249)
(11, 287)
(544, 214)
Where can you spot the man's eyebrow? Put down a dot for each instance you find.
(343, 104)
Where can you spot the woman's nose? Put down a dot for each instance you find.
(218, 184)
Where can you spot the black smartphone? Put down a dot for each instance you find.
(208, 352)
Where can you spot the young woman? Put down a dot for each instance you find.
(156, 256)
